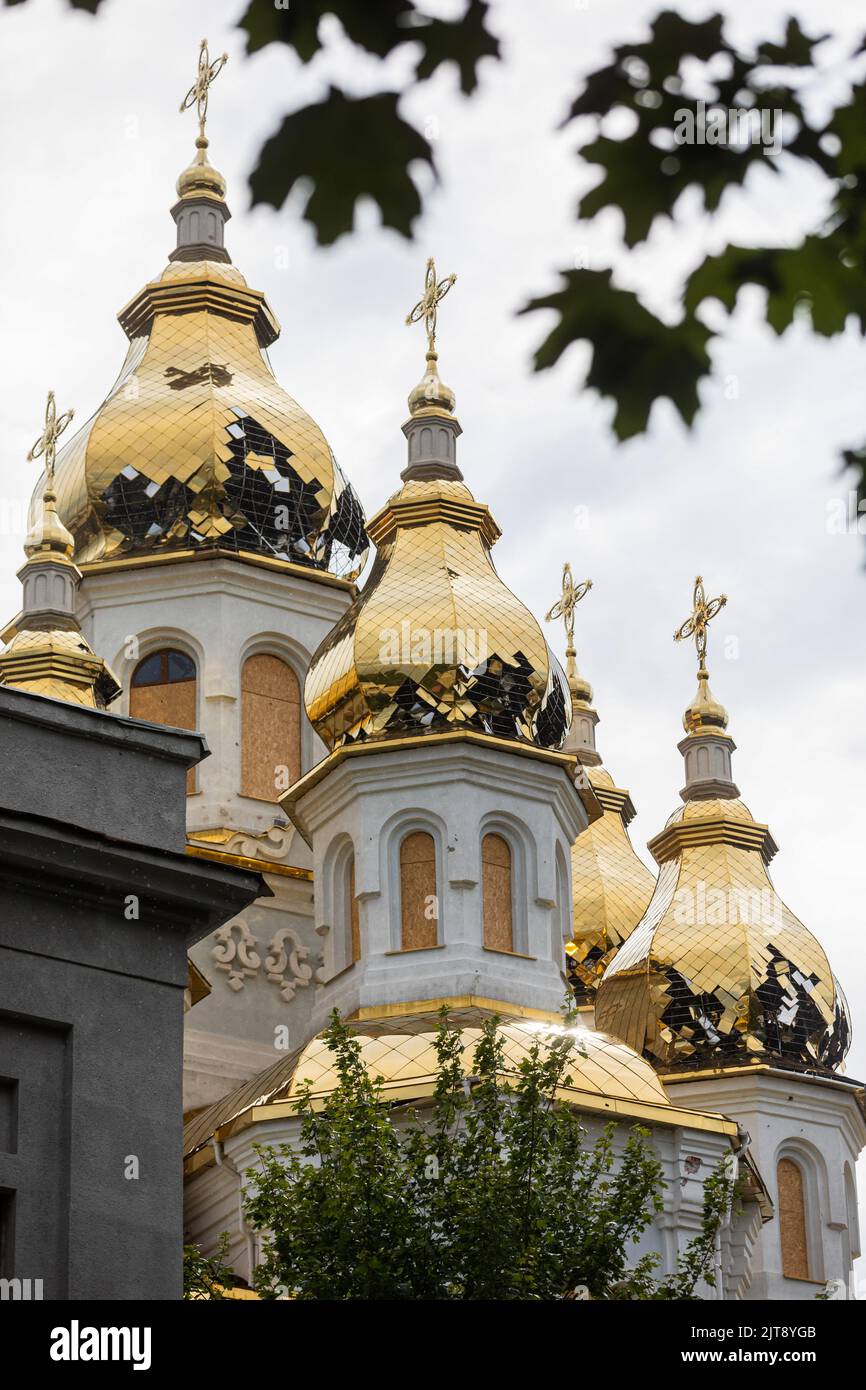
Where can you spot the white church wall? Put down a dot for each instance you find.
(456, 792)
(219, 612)
(816, 1121)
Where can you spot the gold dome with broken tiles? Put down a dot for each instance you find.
(436, 642)
(197, 446)
(719, 972)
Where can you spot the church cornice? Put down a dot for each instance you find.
(196, 294)
(244, 557)
(684, 835)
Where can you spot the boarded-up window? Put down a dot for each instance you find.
(163, 690)
(270, 727)
(496, 891)
(792, 1220)
(419, 905)
(354, 921)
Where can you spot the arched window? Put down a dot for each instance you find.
(353, 921)
(496, 887)
(270, 727)
(163, 690)
(792, 1219)
(419, 905)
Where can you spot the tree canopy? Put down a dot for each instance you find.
(490, 1191)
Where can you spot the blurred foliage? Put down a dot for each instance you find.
(345, 148)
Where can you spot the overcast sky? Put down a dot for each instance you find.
(93, 144)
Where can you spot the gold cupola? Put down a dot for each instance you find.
(720, 973)
(46, 652)
(436, 642)
(611, 885)
(197, 448)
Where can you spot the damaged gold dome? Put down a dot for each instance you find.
(719, 972)
(197, 446)
(436, 641)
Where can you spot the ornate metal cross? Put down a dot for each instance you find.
(198, 92)
(426, 307)
(702, 614)
(46, 444)
(567, 602)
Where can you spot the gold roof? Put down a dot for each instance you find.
(611, 885)
(601, 1067)
(436, 641)
(46, 652)
(59, 664)
(197, 445)
(607, 1067)
(720, 972)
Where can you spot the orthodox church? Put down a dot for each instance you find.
(417, 780)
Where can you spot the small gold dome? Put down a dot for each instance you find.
(200, 179)
(431, 395)
(47, 534)
(704, 714)
(436, 641)
(578, 685)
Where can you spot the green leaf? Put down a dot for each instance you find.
(378, 27)
(349, 148)
(635, 357)
(644, 182)
(672, 39)
(817, 276)
(463, 41)
(796, 51)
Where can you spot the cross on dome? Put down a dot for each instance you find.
(46, 444)
(434, 292)
(702, 614)
(207, 73)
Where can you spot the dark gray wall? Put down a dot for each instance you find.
(98, 906)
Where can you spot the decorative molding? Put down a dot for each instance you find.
(272, 844)
(287, 959)
(238, 958)
(262, 866)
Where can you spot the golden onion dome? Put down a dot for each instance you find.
(200, 179)
(46, 653)
(611, 888)
(719, 972)
(197, 446)
(611, 885)
(431, 395)
(47, 534)
(704, 713)
(436, 641)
